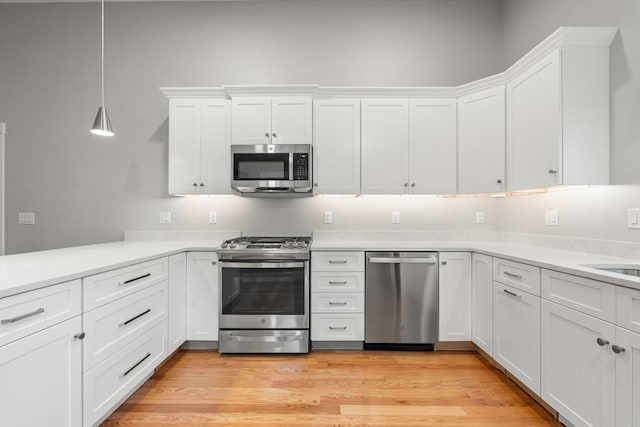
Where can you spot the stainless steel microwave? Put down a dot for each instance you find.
(271, 169)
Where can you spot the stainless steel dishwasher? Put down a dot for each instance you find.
(401, 296)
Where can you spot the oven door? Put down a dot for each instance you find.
(264, 295)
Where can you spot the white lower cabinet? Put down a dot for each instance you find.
(482, 302)
(337, 327)
(177, 301)
(455, 296)
(578, 376)
(41, 378)
(627, 345)
(516, 333)
(202, 296)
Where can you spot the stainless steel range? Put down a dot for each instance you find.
(264, 295)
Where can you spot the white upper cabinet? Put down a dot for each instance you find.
(199, 141)
(336, 147)
(558, 120)
(385, 146)
(271, 120)
(432, 146)
(481, 141)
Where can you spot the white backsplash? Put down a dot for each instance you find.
(413, 235)
(179, 235)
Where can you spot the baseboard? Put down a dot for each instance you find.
(336, 345)
(200, 345)
(455, 346)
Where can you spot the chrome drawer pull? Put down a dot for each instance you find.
(617, 349)
(340, 328)
(126, 282)
(147, 311)
(602, 342)
(22, 316)
(337, 303)
(136, 365)
(513, 294)
(515, 276)
(341, 261)
(335, 282)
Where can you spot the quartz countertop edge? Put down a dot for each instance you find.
(569, 262)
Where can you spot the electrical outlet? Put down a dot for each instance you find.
(479, 217)
(551, 218)
(27, 218)
(164, 217)
(213, 217)
(395, 217)
(633, 218)
(328, 217)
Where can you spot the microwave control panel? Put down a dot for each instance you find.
(301, 166)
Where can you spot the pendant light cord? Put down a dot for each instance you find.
(102, 58)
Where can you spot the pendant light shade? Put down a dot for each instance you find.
(102, 124)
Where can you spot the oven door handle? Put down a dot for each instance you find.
(262, 264)
(235, 337)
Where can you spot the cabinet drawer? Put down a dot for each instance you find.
(337, 282)
(337, 303)
(522, 276)
(337, 261)
(628, 301)
(592, 297)
(337, 327)
(105, 287)
(29, 312)
(119, 375)
(110, 327)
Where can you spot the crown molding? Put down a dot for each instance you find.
(194, 92)
(271, 90)
(386, 92)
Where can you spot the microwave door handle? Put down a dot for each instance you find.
(291, 167)
(262, 265)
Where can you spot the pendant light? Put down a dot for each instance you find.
(102, 124)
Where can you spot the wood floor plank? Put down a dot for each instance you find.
(329, 388)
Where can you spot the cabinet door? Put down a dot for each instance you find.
(291, 120)
(482, 302)
(215, 147)
(534, 139)
(385, 146)
(481, 142)
(627, 379)
(516, 333)
(432, 146)
(184, 146)
(336, 146)
(202, 296)
(577, 373)
(455, 296)
(177, 301)
(251, 120)
(41, 378)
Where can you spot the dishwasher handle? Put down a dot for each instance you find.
(380, 260)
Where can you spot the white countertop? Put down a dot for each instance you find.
(33, 270)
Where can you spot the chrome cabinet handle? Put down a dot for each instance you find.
(406, 184)
(335, 282)
(340, 261)
(602, 342)
(413, 184)
(274, 135)
(195, 185)
(79, 336)
(315, 184)
(617, 349)
(513, 294)
(339, 328)
(128, 371)
(553, 171)
(126, 282)
(444, 263)
(266, 134)
(22, 316)
(214, 262)
(337, 303)
(499, 181)
(125, 323)
(515, 276)
(202, 184)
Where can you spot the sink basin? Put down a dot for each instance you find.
(626, 269)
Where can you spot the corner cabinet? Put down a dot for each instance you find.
(199, 146)
(271, 120)
(558, 115)
(482, 302)
(336, 146)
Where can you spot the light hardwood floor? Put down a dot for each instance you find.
(326, 388)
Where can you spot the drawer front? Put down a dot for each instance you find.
(337, 303)
(521, 276)
(29, 312)
(119, 375)
(337, 282)
(112, 326)
(591, 297)
(337, 327)
(337, 261)
(628, 301)
(105, 287)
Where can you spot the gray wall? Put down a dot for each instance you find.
(85, 189)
